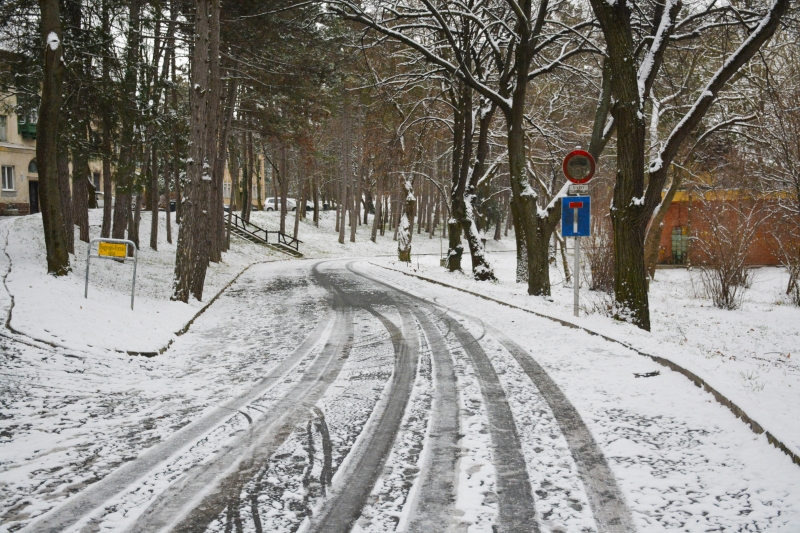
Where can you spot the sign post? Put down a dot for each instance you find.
(576, 213)
(116, 249)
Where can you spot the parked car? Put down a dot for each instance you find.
(272, 205)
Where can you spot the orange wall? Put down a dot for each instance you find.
(763, 251)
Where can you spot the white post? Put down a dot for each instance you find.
(577, 273)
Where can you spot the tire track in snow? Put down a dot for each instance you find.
(92, 498)
(516, 509)
(435, 497)
(607, 503)
(358, 476)
(197, 499)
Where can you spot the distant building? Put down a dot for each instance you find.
(685, 223)
(20, 177)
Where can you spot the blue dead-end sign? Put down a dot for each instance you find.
(576, 216)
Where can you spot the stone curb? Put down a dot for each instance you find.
(697, 380)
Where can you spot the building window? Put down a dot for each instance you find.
(3, 128)
(96, 180)
(226, 189)
(680, 245)
(32, 168)
(8, 178)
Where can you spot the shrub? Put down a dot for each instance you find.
(725, 245)
(598, 249)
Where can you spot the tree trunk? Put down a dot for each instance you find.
(376, 220)
(406, 226)
(219, 238)
(284, 185)
(80, 192)
(481, 269)
(192, 253)
(462, 120)
(135, 221)
(65, 196)
(211, 125)
(168, 207)
(653, 238)
(315, 194)
(245, 176)
(154, 199)
(46, 146)
(347, 169)
(176, 169)
(300, 197)
(128, 112)
(105, 231)
(356, 207)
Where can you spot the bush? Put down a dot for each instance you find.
(598, 249)
(787, 239)
(725, 246)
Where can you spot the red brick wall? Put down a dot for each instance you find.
(763, 250)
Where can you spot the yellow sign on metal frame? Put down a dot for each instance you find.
(112, 249)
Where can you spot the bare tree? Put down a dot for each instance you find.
(638, 189)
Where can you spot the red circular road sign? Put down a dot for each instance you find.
(579, 166)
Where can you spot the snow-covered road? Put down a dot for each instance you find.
(337, 396)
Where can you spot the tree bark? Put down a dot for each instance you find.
(481, 269)
(405, 230)
(128, 112)
(105, 231)
(347, 169)
(65, 196)
(192, 254)
(47, 139)
(154, 198)
(653, 238)
(218, 240)
(377, 219)
(80, 191)
(462, 128)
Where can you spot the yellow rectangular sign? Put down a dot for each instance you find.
(112, 249)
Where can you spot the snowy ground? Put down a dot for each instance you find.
(54, 310)
(751, 355)
(250, 382)
(323, 241)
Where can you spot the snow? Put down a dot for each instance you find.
(105, 320)
(750, 355)
(74, 415)
(53, 41)
(683, 461)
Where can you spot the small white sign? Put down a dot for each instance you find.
(578, 189)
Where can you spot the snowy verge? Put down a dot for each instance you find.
(54, 311)
(780, 436)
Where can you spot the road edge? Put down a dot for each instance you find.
(754, 425)
(184, 329)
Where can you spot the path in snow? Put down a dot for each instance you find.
(409, 407)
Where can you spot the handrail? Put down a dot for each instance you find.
(282, 238)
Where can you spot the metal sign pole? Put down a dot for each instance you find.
(133, 283)
(88, 257)
(577, 273)
(106, 255)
